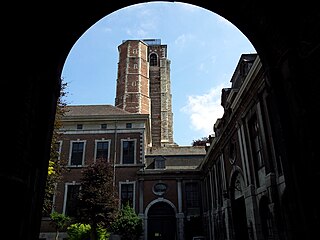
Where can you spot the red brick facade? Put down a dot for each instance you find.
(142, 174)
(132, 91)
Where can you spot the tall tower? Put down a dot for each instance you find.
(132, 91)
(144, 86)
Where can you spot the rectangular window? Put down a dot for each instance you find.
(192, 195)
(77, 153)
(128, 125)
(103, 126)
(256, 142)
(71, 199)
(159, 162)
(219, 180)
(79, 126)
(102, 150)
(128, 151)
(127, 193)
(256, 149)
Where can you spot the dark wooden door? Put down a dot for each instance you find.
(161, 222)
(240, 219)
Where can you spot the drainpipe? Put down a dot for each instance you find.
(115, 153)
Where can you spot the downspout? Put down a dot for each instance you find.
(115, 153)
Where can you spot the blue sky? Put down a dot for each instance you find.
(203, 47)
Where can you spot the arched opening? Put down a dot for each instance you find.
(161, 222)
(200, 64)
(153, 59)
(238, 207)
(265, 218)
(288, 223)
(285, 40)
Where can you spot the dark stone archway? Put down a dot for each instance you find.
(37, 37)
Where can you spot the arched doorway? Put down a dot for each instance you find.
(287, 221)
(161, 222)
(239, 208)
(265, 218)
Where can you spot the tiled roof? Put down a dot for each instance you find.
(98, 110)
(176, 150)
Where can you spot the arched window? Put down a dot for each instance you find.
(153, 59)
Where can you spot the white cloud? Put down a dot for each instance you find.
(137, 33)
(204, 110)
(184, 39)
(203, 65)
(181, 40)
(106, 29)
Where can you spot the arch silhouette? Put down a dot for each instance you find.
(153, 59)
(37, 42)
(156, 212)
(160, 200)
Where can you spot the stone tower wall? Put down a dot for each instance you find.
(160, 93)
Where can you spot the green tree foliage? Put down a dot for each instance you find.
(60, 221)
(103, 233)
(78, 231)
(200, 142)
(98, 202)
(127, 224)
(55, 162)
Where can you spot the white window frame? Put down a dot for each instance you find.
(59, 150)
(83, 154)
(134, 192)
(66, 193)
(96, 146)
(134, 154)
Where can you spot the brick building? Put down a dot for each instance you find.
(233, 188)
(160, 179)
